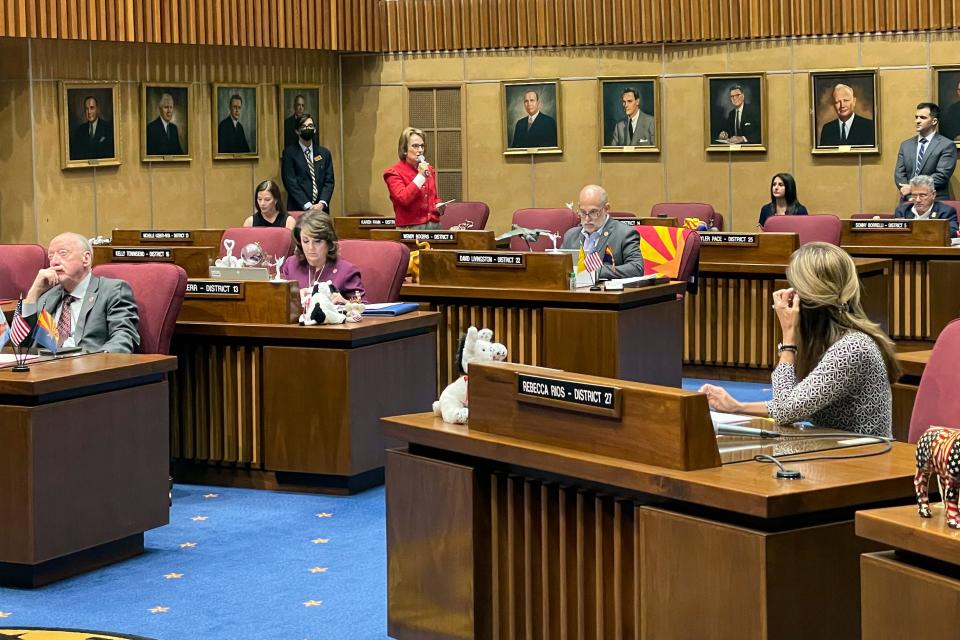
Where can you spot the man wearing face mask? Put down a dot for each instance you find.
(307, 170)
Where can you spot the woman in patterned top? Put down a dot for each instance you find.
(836, 365)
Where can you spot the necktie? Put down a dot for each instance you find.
(308, 156)
(65, 323)
(923, 141)
(529, 123)
(631, 129)
(91, 131)
(843, 132)
(736, 124)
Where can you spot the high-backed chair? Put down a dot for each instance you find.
(871, 216)
(822, 228)
(953, 203)
(19, 264)
(274, 240)
(671, 251)
(555, 220)
(937, 402)
(158, 289)
(383, 265)
(460, 212)
(681, 210)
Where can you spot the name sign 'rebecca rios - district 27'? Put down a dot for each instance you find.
(572, 395)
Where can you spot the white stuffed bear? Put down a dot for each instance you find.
(475, 346)
(320, 308)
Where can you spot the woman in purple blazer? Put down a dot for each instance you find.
(316, 258)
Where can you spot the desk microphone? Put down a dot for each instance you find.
(735, 430)
(421, 158)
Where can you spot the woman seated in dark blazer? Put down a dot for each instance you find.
(783, 199)
(316, 259)
(836, 365)
(268, 208)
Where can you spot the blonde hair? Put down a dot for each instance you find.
(825, 278)
(404, 143)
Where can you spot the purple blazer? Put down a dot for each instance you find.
(344, 275)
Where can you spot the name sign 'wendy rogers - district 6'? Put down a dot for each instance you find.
(436, 237)
(572, 395)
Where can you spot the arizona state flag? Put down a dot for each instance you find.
(47, 335)
(4, 329)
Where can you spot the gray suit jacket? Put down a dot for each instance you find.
(622, 239)
(939, 160)
(644, 135)
(108, 316)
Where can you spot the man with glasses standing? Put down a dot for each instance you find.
(617, 245)
(922, 206)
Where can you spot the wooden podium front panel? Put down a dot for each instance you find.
(921, 233)
(359, 228)
(901, 600)
(479, 240)
(257, 302)
(539, 271)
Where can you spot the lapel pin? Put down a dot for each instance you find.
(606, 233)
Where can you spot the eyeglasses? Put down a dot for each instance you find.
(921, 196)
(593, 214)
(418, 146)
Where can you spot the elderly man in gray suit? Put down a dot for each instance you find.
(637, 129)
(598, 230)
(92, 313)
(927, 153)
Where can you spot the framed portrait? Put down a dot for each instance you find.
(845, 111)
(629, 115)
(295, 100)
(89, 124)
(736, 118)
(947, 83)
(531, 113)
(235, 122)
(165, 129)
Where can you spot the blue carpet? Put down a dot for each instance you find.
(742, 391)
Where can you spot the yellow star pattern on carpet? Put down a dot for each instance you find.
(159, 609)
(187, 545)
(211, 495)
(198, 518)
(173, 576)
(320, 540)
(5, 614)
(324, 515)
(318, 570)
(312, 603)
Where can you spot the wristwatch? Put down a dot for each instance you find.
(792, 348)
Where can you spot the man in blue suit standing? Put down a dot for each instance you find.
(928, 153)
(536, 129)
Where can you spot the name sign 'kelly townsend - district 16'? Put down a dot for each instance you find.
(572, 395)
(141, 254)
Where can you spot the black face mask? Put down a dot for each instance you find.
(307, 134)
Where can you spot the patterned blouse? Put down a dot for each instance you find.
(848, 389)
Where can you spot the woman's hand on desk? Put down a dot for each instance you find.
(720, 400)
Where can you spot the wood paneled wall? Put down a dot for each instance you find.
(443, 25)
(346, 25)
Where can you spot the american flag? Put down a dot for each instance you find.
(593, 261)
(19, 328)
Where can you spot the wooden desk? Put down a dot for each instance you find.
(905, 390)
(284, 406)
(913, 590)
(195, 260)
(83, 463)
(360, 228)
(490, 534)
(730, 322)
(634, 334)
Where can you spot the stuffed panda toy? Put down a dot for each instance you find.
(475, 346)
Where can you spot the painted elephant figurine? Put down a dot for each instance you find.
(938, 451)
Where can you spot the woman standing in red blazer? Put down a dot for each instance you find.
(412, 185)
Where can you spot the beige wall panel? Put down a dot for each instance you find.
(16, 163)
(433, 68)
(633, 182)
(943, 48)
(558, 179)
(825, 183)
(895, 50)
(498, 65)
(60, 59)
(64, 199)
(754, 56)
(117, 61)
(692, 174)
(173, 64)
(825, 53)
(640, 61)
(229, 192)
(372, 122)
(564, 63)
(228, 64)
(372, 69)
(695, 59)
(751, 172)
(268, 166)
(329, 128)
(178, 198)
(14, 59)
(123, 193)
(505, 183)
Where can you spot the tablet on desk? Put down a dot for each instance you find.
(63, 351)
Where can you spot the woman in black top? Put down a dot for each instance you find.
(783, 199)
(269, 210)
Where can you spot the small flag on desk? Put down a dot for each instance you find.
(593, 261)
(608, 257)
(47, 335)
(4, 329)
(19, 329)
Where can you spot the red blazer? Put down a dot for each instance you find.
(411, 204)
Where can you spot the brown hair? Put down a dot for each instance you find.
(317, 225)
(825, 278)
(404, 143)
(271, 186)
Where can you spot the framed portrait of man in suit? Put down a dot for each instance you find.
(296, 100)
(89, 125)
(165, 125)
(531, 117)
(736, 112)
(629, 115)
(845, 111)
(947, 83)
(235, 122)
